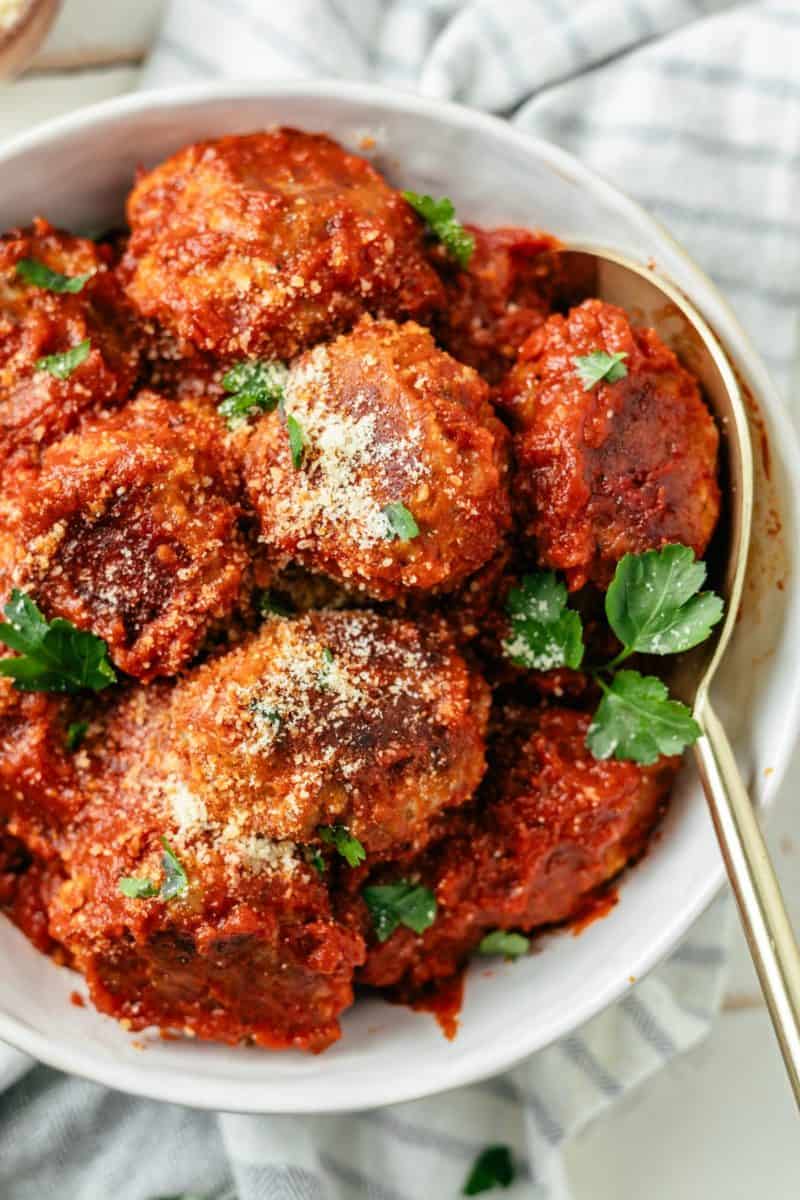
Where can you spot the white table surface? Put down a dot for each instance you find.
(719, 1124)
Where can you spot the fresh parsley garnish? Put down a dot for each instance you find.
(136, 888)
(40, 275)
(268, 602)
(440, 217)
(400, 522)
(176, 881)
(500, 941)
(315, 859)
(324, 675)
(545, 634)
(654, 604)
(296, 440)
(62, 365)
(54, 656)
(76, 732)
(637, 720)
(598, 366)
(493, 1168)
(402, 903)
(252, 385)
(348, 846)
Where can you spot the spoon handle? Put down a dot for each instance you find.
(761, 907)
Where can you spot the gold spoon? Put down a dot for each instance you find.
(20, 40)
(652, 301)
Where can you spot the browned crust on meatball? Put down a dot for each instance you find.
(622, 468)
(263, 244)
(129, 529)
(36, 408)
(332, 718)
(387, 419)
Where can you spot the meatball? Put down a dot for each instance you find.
(333, 718)
(501, 297)
(392, 428)
(36, 406)
(242, 947)
(129, 529)
(38, 793)
(266, 243)
(555, 825)
(25, 887)
(622, 467)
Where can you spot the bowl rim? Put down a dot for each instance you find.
(215, 1093)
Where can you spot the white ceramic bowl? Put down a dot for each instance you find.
(76, 171)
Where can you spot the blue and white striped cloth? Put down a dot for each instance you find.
(693, 107)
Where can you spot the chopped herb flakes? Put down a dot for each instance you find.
(402, 525)
(500, 941)
(40, 275)
(62, 365)
(76, 732)
(296, 441)
(493, 1168)
(348, 846)
(54, 656)
(252, 386)
(600, 366)
(400, 903)
(440, 217)
(268, 602)
(175, 884)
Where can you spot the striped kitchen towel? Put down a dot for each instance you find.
(693, 107)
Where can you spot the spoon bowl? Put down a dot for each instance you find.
(654, 302)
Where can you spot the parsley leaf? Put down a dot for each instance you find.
(252, 385)
(268, 602)
(492, 1168)
(510, 945)
(637, 720)
(136, 888)
(55, 656)
(296, 440)
(40, 275)
(597, 366)
(315, 859)
(401, 903)
(176, 881)
(401, 522)
(76, 732)
(62, 365)
(440, 217)
(545, 634)
(653, 604)
(348, 846)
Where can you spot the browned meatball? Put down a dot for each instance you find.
(556, 824)
(495, 303)
(247, 950)
(266, 243)
(38, 793)
(389, 422)
(620, 468)
(36, 406)
(332, 718)
(129, 529)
